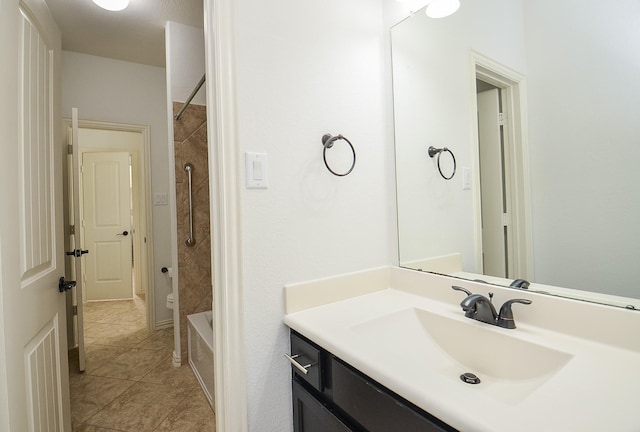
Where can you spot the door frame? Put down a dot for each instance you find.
(517, 173)
(143, 252)
(230, 365)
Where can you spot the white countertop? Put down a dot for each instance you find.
(596, 390)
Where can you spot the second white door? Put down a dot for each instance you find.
(107, 225)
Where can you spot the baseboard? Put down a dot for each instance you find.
(164, 324)
(177, 360)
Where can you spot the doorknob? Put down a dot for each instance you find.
(77, 253)
(124, 233)
(64, 285)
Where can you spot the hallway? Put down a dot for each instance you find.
(130, 383)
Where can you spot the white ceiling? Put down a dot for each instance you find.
(135, 34)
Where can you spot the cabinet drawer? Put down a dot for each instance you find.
(307, 355)
(376, 408)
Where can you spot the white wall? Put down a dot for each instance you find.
(116, 91)
(433, 107)
(584, 95)
(305, 69)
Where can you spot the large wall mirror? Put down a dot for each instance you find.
(539, 101)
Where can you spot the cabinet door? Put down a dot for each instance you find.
(375, 407)
(309, 415)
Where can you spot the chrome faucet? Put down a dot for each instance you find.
(520, 283)
(480, 308)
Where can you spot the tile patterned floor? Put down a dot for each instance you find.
(130, 384)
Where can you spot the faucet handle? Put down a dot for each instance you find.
(459, 288)
(505, 317)
(520, 283)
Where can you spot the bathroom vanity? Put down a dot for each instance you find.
(331, 396)
(385, 350)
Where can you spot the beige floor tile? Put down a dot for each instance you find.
(130, 383)
(193, 414)
(141, 408)
(161, 340)
(122, 334)
(113, 311)
(166, 373)
(89, 428)
(181, 425)
(89, 394)
(95, 357)
(132, 364)
(194, 407)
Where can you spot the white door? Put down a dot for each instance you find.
(34, 389)
(75, 218)
(107, 225)
(491, 184)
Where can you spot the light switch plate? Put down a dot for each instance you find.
(160, 199)
(256, 171)
(466, 178)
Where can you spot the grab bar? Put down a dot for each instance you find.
(190, 240)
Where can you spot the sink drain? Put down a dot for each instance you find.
(469, 378)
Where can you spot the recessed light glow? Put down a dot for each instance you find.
(112, 5)
(441, 8)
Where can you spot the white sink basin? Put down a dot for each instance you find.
(509, 367)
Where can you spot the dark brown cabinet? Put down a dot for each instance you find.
(335, 397)
(310, 415)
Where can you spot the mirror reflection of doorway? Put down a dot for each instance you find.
(503, 241)
(502, 172)
(494, 198)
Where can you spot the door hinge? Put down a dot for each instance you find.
(505, 219)
(501, 117)
(69, 149)
(72, 229)
(75, 310)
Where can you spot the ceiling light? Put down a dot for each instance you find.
(112, 5)
(440, 8)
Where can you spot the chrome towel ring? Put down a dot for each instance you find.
(327, 142)
(436, 151)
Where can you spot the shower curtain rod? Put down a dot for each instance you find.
(193, 93)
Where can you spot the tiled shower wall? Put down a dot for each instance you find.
(194, 263)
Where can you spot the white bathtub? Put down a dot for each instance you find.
(200, 348)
